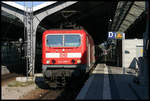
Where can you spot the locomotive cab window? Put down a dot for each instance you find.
(54, 40)
(72, 40)
(63, 40)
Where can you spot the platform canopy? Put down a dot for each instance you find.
(22, 5)
(127, 13)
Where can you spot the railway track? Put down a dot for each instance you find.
(70, 91)
(51, 94)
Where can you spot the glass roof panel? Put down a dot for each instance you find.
(29, 3)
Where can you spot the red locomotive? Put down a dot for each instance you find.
(66, 52)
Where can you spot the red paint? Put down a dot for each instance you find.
(63, 59)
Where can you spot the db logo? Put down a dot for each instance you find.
(63, 55)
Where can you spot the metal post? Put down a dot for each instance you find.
(143, 77)
(123, 67)
(145, 51)
(29, 32)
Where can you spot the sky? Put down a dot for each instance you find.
(29, 3)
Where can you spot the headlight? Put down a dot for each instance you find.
(47, 61)
(78, 61)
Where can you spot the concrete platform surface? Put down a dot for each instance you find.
(4, 70)
(110, 83)
(142, 91)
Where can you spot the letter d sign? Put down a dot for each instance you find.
(111, 35)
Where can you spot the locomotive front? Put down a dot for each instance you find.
(63, 53)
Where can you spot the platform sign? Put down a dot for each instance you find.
(116, 35)
(111, 35)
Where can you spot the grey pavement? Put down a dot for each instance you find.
(4, 70)
(121, 86)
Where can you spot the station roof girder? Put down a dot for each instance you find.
(136, 10)
(133, 11)
(121, 11)
(93, 15)
(40, 15)
(6, 17)
(23, 8)
(13, 11)
(18, 10)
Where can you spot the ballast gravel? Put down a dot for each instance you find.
(9, 92)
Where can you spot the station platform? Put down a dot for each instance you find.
(111, 83)
(4, 70)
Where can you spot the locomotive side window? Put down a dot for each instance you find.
(54, 40)
(72, 40)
